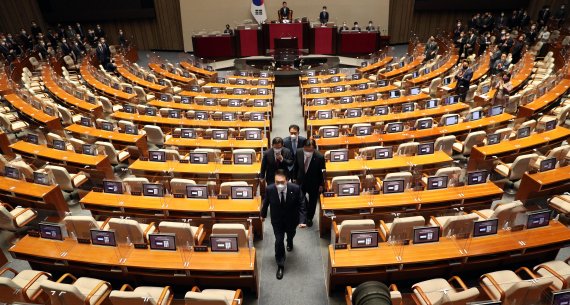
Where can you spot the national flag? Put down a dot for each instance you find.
(258, 10)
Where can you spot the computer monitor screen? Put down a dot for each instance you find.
(263, 82)
(185, 100)
(550, 125)
(548, 164)
(315, 90)
(423, 235)
(41, 178)
(324, 115)
(131, 129)
(383, 152)
(174, 113)
(415, 90)
(330, 132)
(262, 91)
(523, 132)
(424, 123)
(51, 231)
(319, 101)
(242, 192)
(107, 126)
(153, 190)
(447, 80)
(346, 100)
(239, 91)
(485, 227)
(537, 219)
(112, 187)
(128, 109)
(415, 74)
(356, 76)
(162, 241)
(188, 133)
(477, 177)
(381, 83)
(241, 81)
(197, 191)
(103, 238)
(475, 115)
(89, 149)
(201, 115)
(234, 103)
(312, 81)
(220, 134)
(394, 93)
(437, 182)
(354, 113)
(371, 97)
(431, 104)
(194, 89)
(220, 80)
(32, 138)
(257, 116)
(12, 172)
(164, 97)
(242, 158)
(451, 120)
(198, 158)
(450, 100)
(59, 144)
(254, 134)
(426, 148)
(335, 79)
(393, 186)
(408, 107)
(496, 110)
(363, 130)
(349, 189)
(485, 89)
(362, 86)
(395, 127)
(339, 155)
(224, 243)
(493, 138)
(129, 90)
(381, 110)
(363, 64)
(363, 239)
(157, 156)
(402, 63)
(339, 88)
(210, 68)
(311, 73)
(85, 121)
(561, 297)
(228, 116)
(151, 111)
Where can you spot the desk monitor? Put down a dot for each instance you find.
(339, 88)
(426, 148)
(116, 86)
(427, 70)
(107, 126)
(383, 152)
(162, 241)
(523, 132)
(201, 115)
(363, 64)
(537, 219)
(315, 90)
(131, 129)
(49, 110)
(550, 125)
(346, 100)
(335, 79)
(451, 120)
(363, 86)
(151, 111)
(157, 155)
(354, 113)
(153, 190)
(52, 231)
(332, 71)
(363, 239)
(198, 157)
(493, 138)
(215, 90)
(415, 74)
(402, 64)
(447, 80)
(415, 90)
(257, 116)
(129, 109)
(12, 172)
(323, 115)
(319, 101)
(103, 238)
(311, 73)
(542, 90)
(174, 113)
(242, 192)
(339, 155)
(424, 123)
(239, 91)
(197, 191)
(129, 90)
(234, 103)
(408, 107)
(381, 83)
(312, 80)
(242, 73)
(496, 110)
(431, 104)
(188, 133)
(85, 121)
(228, 116)
(260, 103)
(349, 189)
(475, 115)
(548, 164)
(241, 81)
(371, 97)
(185, 100)
(220, 80)
(262, 91)
(450, 100)
(254, 134)
(561, 297)
(393, 127)
(363, 130)
(220, 134)
(485, 89)
(41, 178)
(164, 97)
(112, 187)
(32, 138)
(485, 227)
(224, 243)
(243, 158)
(210, 68)
(381, 110)
(194, 89)
(263, 82)
(394, 93)
(393, 186)
(59, 144)
(477, 177)
(423, 235)
(89, 149)
(437, 182)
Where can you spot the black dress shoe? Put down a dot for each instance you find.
(309, 223)
(289, 247)
(279, 273)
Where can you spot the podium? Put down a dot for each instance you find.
(286, 43)
(300, 30)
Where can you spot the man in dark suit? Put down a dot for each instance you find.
(293, 142)
(324, 16)
(275, 158)
(463, 78)
(287, 211)
(284, 12)
(309, 174)
(431, 49)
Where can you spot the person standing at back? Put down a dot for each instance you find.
(324, 16)
(275, 158)
(463, 78)
(284, 12)
(309, 174)
(293, 142)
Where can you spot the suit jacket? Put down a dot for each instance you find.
(284, 12)
(463, 81)
(324, 17)
(300, 143)
(314, 177)
(286, 216)
(269, 164)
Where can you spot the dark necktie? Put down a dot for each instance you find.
(282, 198)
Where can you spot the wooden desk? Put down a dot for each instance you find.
(382, 205)
(435, 73)
(418, 60)
(193, 94)
(27, 194)
(201, 211)
(202, 72)
(414, 135)
(156, 68)
(482, 156)
(151, 267)
(351, 82)
(353, 93)
(196, 107)
(186, 145)
(32, 114)
(446, 257)
(118, 139)
(236, 86)
(124, 72)
(375, 66)
(101, 87)
(367, 104)
(545, 101)
(544, 184)
(95, 166)
(68, 99)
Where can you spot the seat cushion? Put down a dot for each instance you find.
(503, 169)
(29, 214)
(505, 278)
(458, 147)
(433, 289)
(228, 295)
(560, 267)
(154, 292)
(487, 213)
(25, 276)
(87, 284)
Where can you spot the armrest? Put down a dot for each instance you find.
(125, 287)
(383, 224)
(436, 222)
(336, 232)
(459, 281)
(10, 270)
(329, 185)
(30, 283)
(92, 293)
(6, 205)
(527, 271)
(422, 295)
(150, 226)
(494, 283)
(163, 295)
(200, 235)
(238, 296)
(556, 274)
(105, 223)
(63, 277)
(195, 289)
(348, 295)
(27, 221)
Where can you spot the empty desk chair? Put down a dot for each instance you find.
(510, 289)
(142, 96)
(452, 173)
(171, 88)
(68, 117)
(355, 127)
(178, 185)
(12, 127)
(342, 179)
(514, 171)
(23, 287)
(114, 156)
(458, 225)
(419, 122)
(504, 134)
(529, 123)
(226, 187)
(186, 234)
(406, 176)
(53, 136)
(560, 153)
(369, 152)
(173, 155)
(238, 229)
(475, 138)
(71, 65)
(25, 169)
(80, 226)
(154, 135)
(107, 106)
(403, 81)
(433, 85)
(400, 228)
(67, 182)
(214, 154)
(141, 295)
(213, 297)
(83, 290)
(505, 212)
(558, 271)
(440, 291)
(342, 231)
(445, 144)
(245, 151)
(13, 219)
(135, 184)
(560, 203)
(137, 233)
(408, 149)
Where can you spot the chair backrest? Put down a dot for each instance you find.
(355, 126)
(445, 144)
(154, 134)
(226, 187)
(80, 226)
(559, 152)
(403, 227)
(178, 185)
(347, 226)
(472, 139)
(214, 154)
(136, 297)
(435, 83)
(182, 230)
(109, 151)
(452, 173)
(537, 287)
(232, 228)
(135, 184)
(10, 291)
(62, 294)
(406, 176)
(202, 298)
(171, 154)
(521, 165)
(323, 128)
(249, 151)
(408, 149)
(504, 133)
(6, 219)
(563, 115)
(127, 229)
(61, 177)
(106, 104)
(369, 151)
(343, 179)
(507, 212)
(460, 225)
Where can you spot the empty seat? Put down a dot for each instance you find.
(408, 149)
(558, 271)
(343, 230)
(178, 185)
(186, 234)
(560, 153)
(13, 219)
(445, 144)
(328, 131)
(23, 287)
(66, 181)
(343, 179)
(440, 291)
(400, 228)
(214, 154)
(135, 184)
(213, 297)
(560, 203)
(114, 156)
(458, 225)
(406, 176)
(141, 295)
(142, 96)
(129, 230)
(515, 171)
(226, 187)
(154, 135)
(505, 212)
(473, 139)
(509, 288)
(246, 151)
(83, 290)
(12, 126)
(238, 229)
(452, 173)
(80, 226)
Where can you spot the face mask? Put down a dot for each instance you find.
(280, 187)
(293, 136)
(308, 153)
(277, 150)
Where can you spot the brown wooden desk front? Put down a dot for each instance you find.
(27, 194)
(544, 101)
(196, 107)
(236, 86)
(101, 87)
(193, 94)
(118, 139)
(35, 115)
(312, 109)
(433, 74)
(375, 66)
(156, 68)
(185, 145)
(446, 257)
(202, 72)
(403, 70)
(544, 184)
(351, 82)
(152, 267)
(124, 72)
(353, 93)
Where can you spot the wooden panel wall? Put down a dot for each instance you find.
(162, 33)
(400, 20)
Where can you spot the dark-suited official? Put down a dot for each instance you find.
(287, 212)
(277, 157)
(309, 175)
